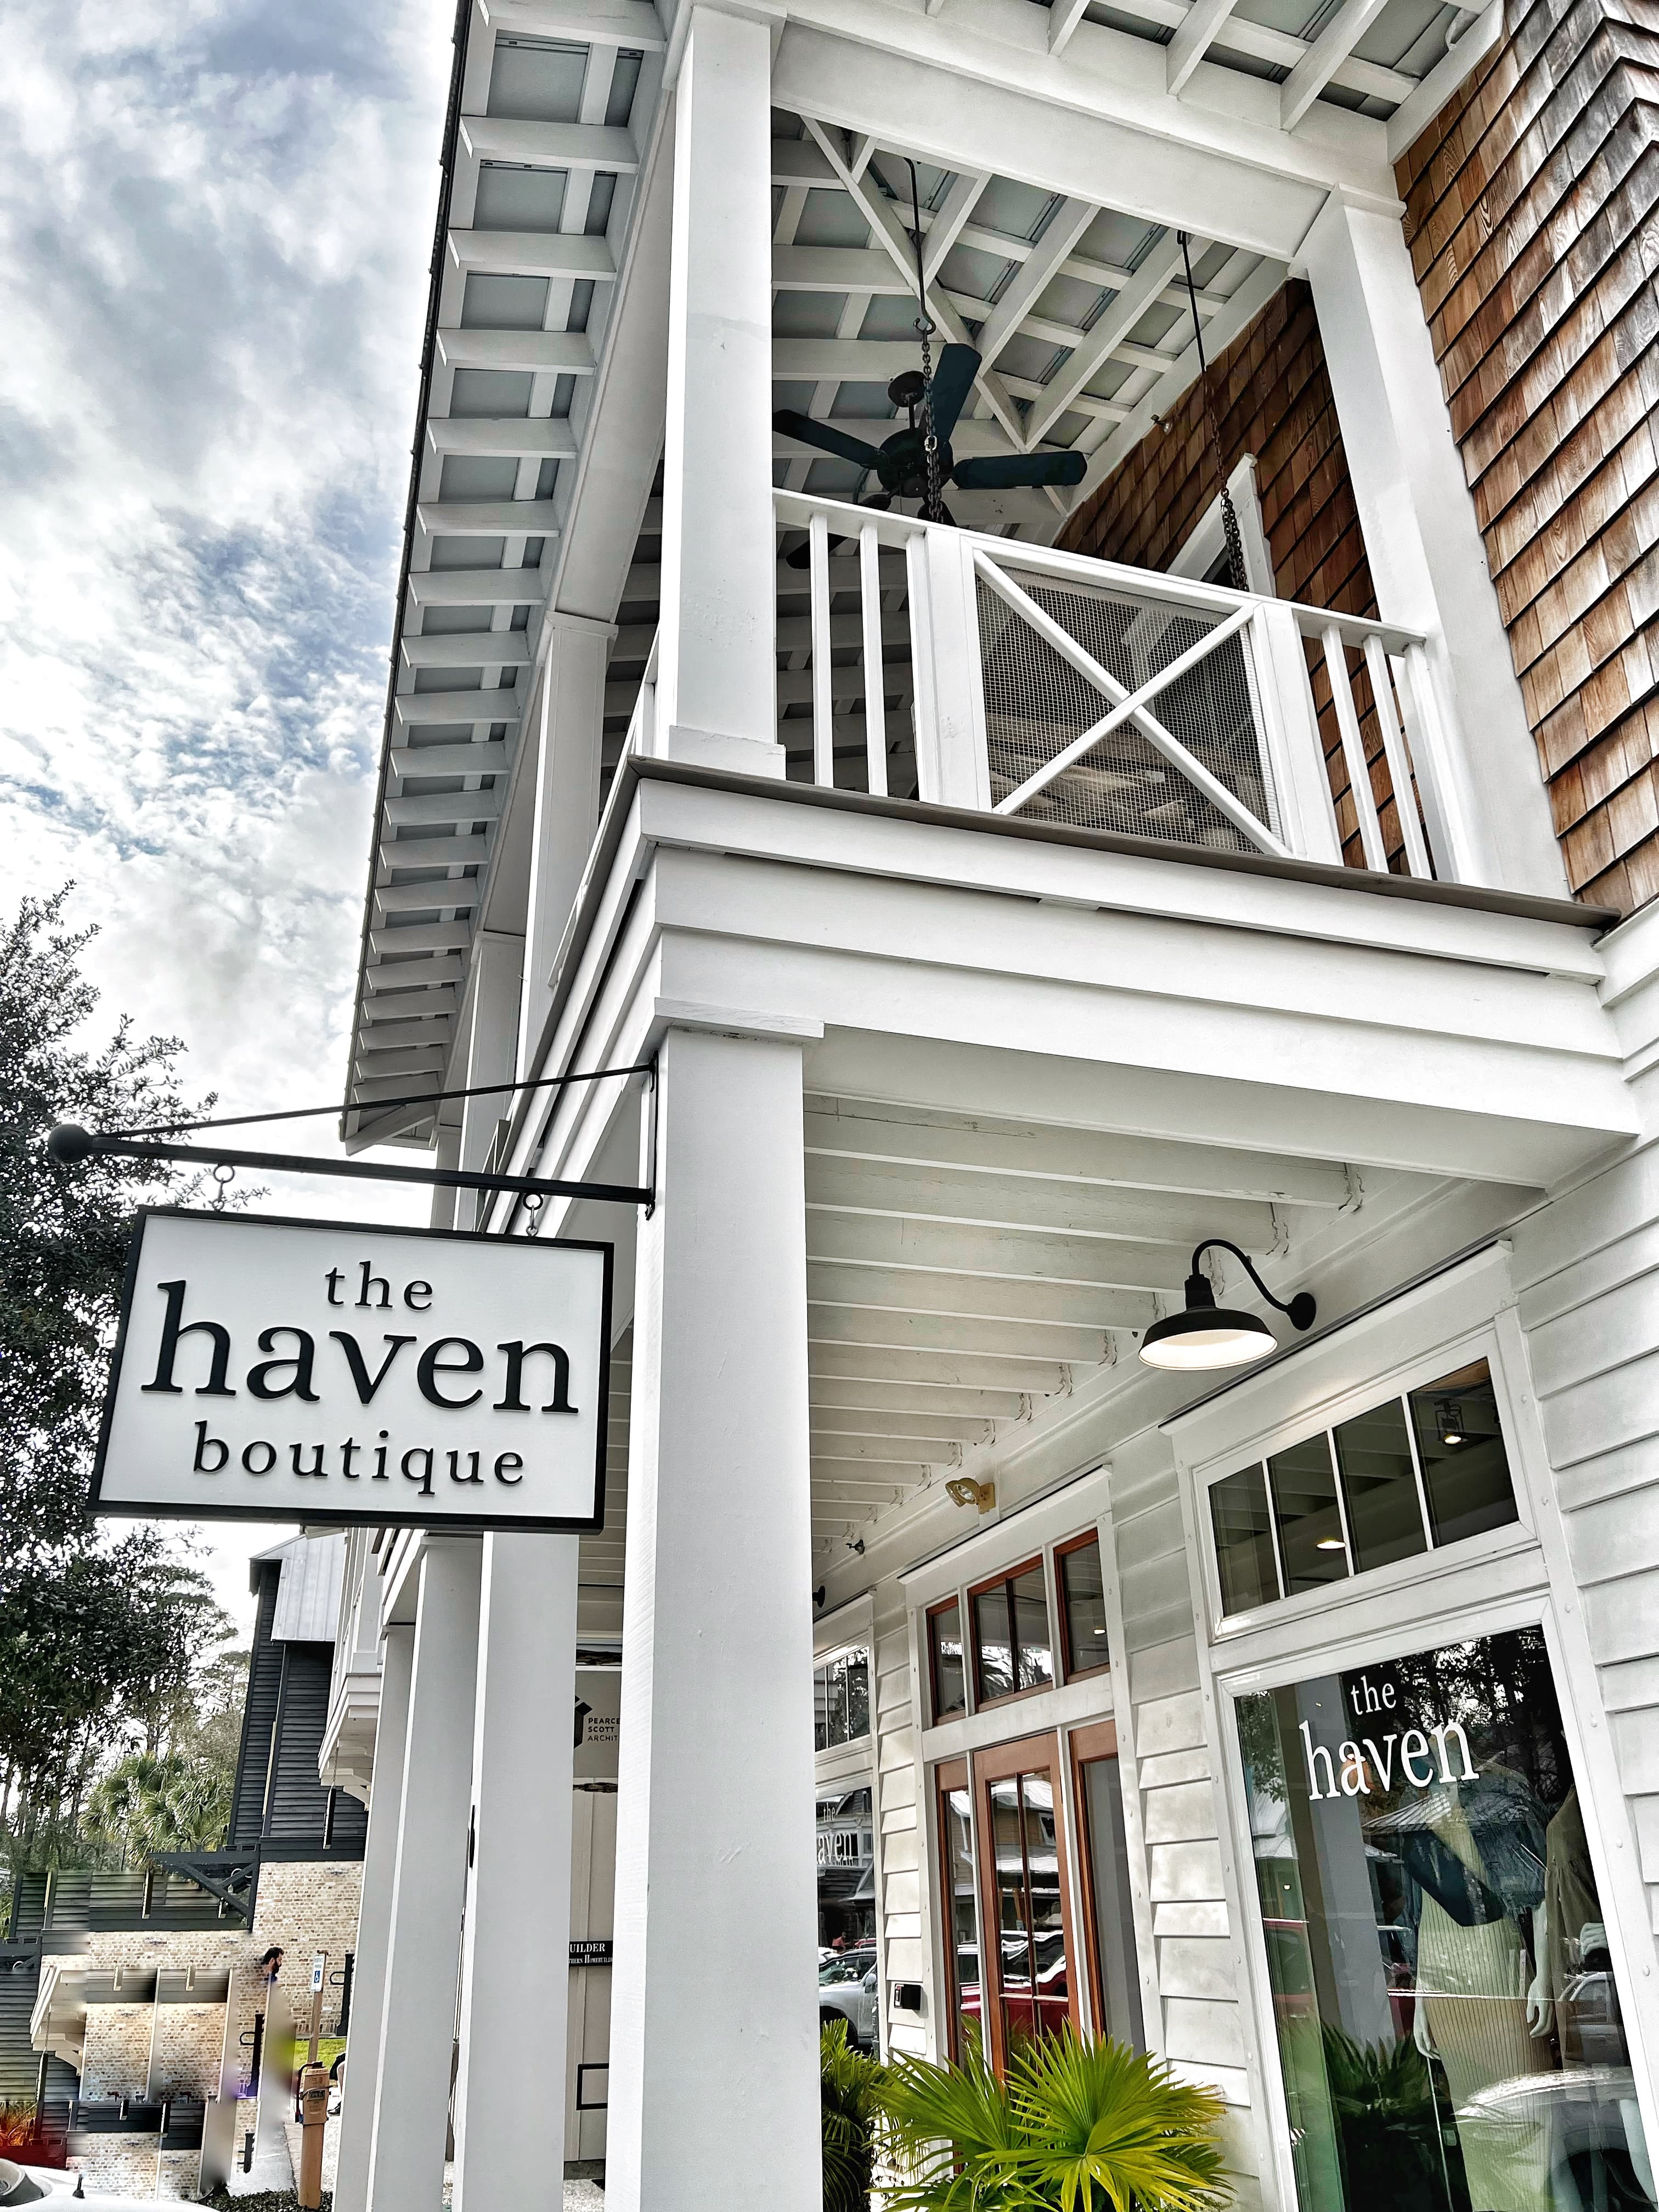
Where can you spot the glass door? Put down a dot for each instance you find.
(1107, 1909)
(1027, 1972)
(960, 1894)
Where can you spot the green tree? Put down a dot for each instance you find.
(101, 1636)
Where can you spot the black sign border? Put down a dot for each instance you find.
(453, 1524)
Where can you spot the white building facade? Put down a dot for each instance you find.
(1294, 1720)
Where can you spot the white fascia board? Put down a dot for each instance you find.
(1097, 122)
(1419, 110)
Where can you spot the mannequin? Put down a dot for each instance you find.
(1472, 1972)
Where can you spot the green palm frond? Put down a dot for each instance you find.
(849, 2088)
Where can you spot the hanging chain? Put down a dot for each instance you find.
(934, 501)
(223, 1177)
(1229, 515)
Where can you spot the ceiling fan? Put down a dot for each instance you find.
(932, 399)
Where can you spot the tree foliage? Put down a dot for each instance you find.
(101, 1636)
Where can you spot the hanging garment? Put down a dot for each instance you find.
(1570, 1904)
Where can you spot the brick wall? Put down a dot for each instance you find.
(1271, 396)
(115, 2058)
(1530, 216)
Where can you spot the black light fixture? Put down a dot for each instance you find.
(1205, 1335)
(1449, 1420)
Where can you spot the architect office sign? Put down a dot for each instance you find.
(310, 1371)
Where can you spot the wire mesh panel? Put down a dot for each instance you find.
(1036, 704)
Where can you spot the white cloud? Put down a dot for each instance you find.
(215, 223)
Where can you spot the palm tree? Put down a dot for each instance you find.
(1078, 2125)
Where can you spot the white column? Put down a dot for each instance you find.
(374, 1923)
(1424, 545)
(417, 2031)
(569, 733)
(715, 689)
(492, 1057)
(714, 2034)
(509, 2093)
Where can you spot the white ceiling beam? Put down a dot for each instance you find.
(392, 977)
(533, 254)
(838, 269)
(492, 757)
(1322, 59)
(888, 1298)
(866, 1364)
(891, 233)
(1020, 1202)
(914, 1241)
(803, 162)
(1032, 279)
(1419, 109)
(1098, 411)
(394, 1035)
(554, 353)
(412, 708)
(549, 145)
(442, 893)
(976, 436)
(887, 1401)
(951, 1333)
(584, 22)
(1063, 16)
(398, 1006)
(433, 852)
(831, 1446)
(548, 437)
(487, 517)
(854, 1131)
(941, 233)
(489, 648)
(1193, 39)
(924, 1428)
(1089, 358)
(476, 587)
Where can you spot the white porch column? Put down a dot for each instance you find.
(1423, 544)
(374, 1922)
(715, 687)
(509, 2093)
(411, 2100)
(713, 2028)
(569, 736)
(498, 967)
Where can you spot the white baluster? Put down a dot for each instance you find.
(1354, 750)
(875, 703)
(824, 706)
(1399, 759)
(1306, 812)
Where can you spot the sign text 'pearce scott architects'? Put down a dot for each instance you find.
(314, 1372)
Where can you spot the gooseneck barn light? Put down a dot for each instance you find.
(1205, 1335)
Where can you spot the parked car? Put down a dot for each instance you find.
(846, 1990)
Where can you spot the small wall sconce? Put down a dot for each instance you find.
(965, 1492)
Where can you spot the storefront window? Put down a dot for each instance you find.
(1011, 1647)
(840, 1699)
(847, 1871)
(945, 1655)
(1426, 1469)
(1447, 2012)
(1033, 1992)
(1083, 1607)
(961, 1912)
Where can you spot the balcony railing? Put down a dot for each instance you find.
(1041, 686)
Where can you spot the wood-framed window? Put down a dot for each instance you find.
(1108, 1930)
(1028, 1982)
(1080, 1586)
(947, 1670)
(1008, 1629)
(959, 1897)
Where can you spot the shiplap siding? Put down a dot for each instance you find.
(1200, 2024)
(1271, 396)
(1586, 1273)
(900, 1830)
(1529, 207)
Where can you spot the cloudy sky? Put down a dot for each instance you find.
(214, 222)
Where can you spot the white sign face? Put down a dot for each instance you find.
(312, 1371)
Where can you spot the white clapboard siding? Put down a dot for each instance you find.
(1201, 2025)
(900, 1831)
(1586, 1273)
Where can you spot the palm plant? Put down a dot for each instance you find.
(1078, 2125)
(850, 2091)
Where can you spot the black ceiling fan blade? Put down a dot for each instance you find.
(953, 379)
(1004, 472)
(826, 438)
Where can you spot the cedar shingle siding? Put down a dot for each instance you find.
(1529, 207)
(1272, 395)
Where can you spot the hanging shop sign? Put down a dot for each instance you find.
(312, 1370)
